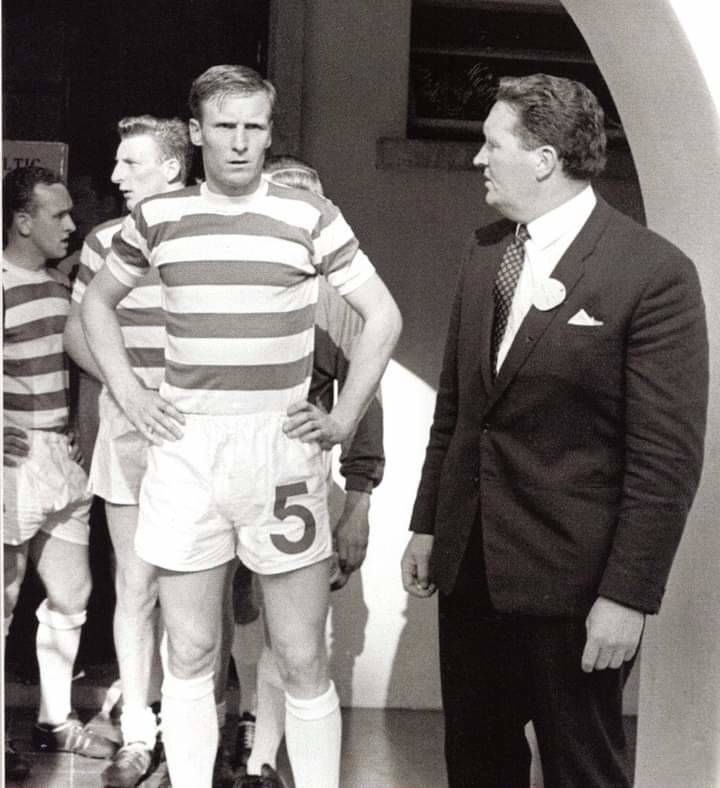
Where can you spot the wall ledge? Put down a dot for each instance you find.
(400, 153)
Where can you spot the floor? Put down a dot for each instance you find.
(392, 748)
(382, 748)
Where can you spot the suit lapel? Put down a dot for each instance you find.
(569, 271)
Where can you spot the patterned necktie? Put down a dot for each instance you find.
(504, 288)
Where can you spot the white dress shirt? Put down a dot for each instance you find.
(550, 236)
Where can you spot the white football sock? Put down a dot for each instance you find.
(57, 642)
(189, 729)
(313, 731)
(139, 725)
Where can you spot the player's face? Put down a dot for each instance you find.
(50, 224)
(234, 133)
(139, 171)
(508, 167)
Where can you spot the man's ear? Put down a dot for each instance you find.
(269, 142)
(195, 132)
(23, 223)
(547, 162)
(171, 168)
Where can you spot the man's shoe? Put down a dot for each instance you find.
(244, 739)
(16, 767)
(268, 778)
(223, 772)
(106, 727)
(128, 767)
(71, 736)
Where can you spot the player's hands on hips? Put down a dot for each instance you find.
(310, 423)
(613, 635)
(15, 446)
(352, 532)
(151, 415)
(415, 566)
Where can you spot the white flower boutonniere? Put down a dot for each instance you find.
(549, 294)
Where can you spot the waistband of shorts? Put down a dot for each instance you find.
(106, 395)
(210, 419)
(47, 437)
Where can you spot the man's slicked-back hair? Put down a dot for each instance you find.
(562, 113)
(19, 187)
(219, 81)
(291, 171)
(170, 134)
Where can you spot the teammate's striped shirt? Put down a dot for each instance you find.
(140, 313)
(239, 280)
(35, 368)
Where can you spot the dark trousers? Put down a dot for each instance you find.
(500, 671)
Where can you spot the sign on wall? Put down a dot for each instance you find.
(28, 153)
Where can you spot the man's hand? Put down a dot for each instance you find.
(74, 449)
(352, 532)
(151, 415)
(307, 423)
(338, 578)
(613, 635)
(15, 446)
(415, 566)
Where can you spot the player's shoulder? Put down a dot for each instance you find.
(163, 198)
(18, 276)
(58, 276)
(281, 191)
(100, 237)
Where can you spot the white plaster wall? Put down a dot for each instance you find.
(412, 224)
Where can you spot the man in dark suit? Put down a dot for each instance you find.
(564, 454)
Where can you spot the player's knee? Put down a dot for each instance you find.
(191, 654)
(12, 593)
(70, 595)
(136, 591)
(13, 576)
(301, 663)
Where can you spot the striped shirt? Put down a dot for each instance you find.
(140, 313)
(240, 282)
(35, 368)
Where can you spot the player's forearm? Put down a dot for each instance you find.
(76, 345)
(103, 339)
(370, 358)
(362, 459)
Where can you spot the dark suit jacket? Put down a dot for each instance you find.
(582, 458)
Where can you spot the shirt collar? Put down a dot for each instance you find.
(565, 219)
(218, 199)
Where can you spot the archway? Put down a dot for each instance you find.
(657, 58)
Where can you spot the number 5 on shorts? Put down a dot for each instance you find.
(282, 512)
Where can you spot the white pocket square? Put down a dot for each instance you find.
(582, 318)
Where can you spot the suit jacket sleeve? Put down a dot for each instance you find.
(666, 387)
(444, 422)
